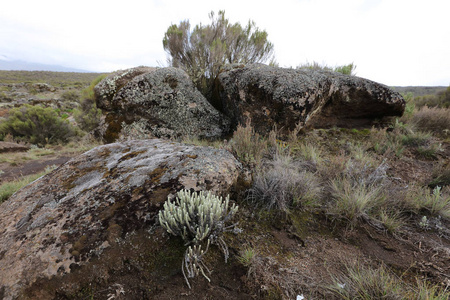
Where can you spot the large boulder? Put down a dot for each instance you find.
(161, 102)
(106, 89)
(93, 204)
(272, 96)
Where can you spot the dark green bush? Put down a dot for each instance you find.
(88, 116)
(36, 125)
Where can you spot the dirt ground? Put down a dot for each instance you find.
(30, 167)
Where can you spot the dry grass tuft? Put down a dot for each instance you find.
(433, 119)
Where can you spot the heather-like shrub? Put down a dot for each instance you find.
(36, 125)
(202, 51)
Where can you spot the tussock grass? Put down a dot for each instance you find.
(435, 202)
(284, 183)
(360, 282)
(354, 201)
(391, 220)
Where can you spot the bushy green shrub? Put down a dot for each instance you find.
(36, 125)
(88, 116)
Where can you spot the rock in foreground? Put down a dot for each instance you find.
(64, 220)
(284, 97)
(159, 102)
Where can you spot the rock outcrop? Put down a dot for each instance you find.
(284, 97)
(161, 102)
(68, 218)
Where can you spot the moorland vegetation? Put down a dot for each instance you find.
(393, 181)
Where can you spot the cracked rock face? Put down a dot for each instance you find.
(62, 220)
(284, 97)
(157, 102)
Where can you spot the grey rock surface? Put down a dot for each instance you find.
(273, 96)
(64, 219)
(159, 102)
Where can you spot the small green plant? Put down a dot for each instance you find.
(344, 69)
(427, 291)
(310, 152)
(196, 218)
(429, 151)
(246, 257)
(437, 203)
(424, 224)
(392, 221)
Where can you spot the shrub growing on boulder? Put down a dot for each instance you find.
(204, 50)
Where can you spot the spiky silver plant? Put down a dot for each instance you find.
(197, 217)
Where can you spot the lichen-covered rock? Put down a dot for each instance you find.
(159, 102)
(105, 90)
(280, 97)
(85, 207)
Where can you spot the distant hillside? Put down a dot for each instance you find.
(53, 78)
(419, 90)
(19, 65)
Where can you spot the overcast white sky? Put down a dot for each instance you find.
(395, 42)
